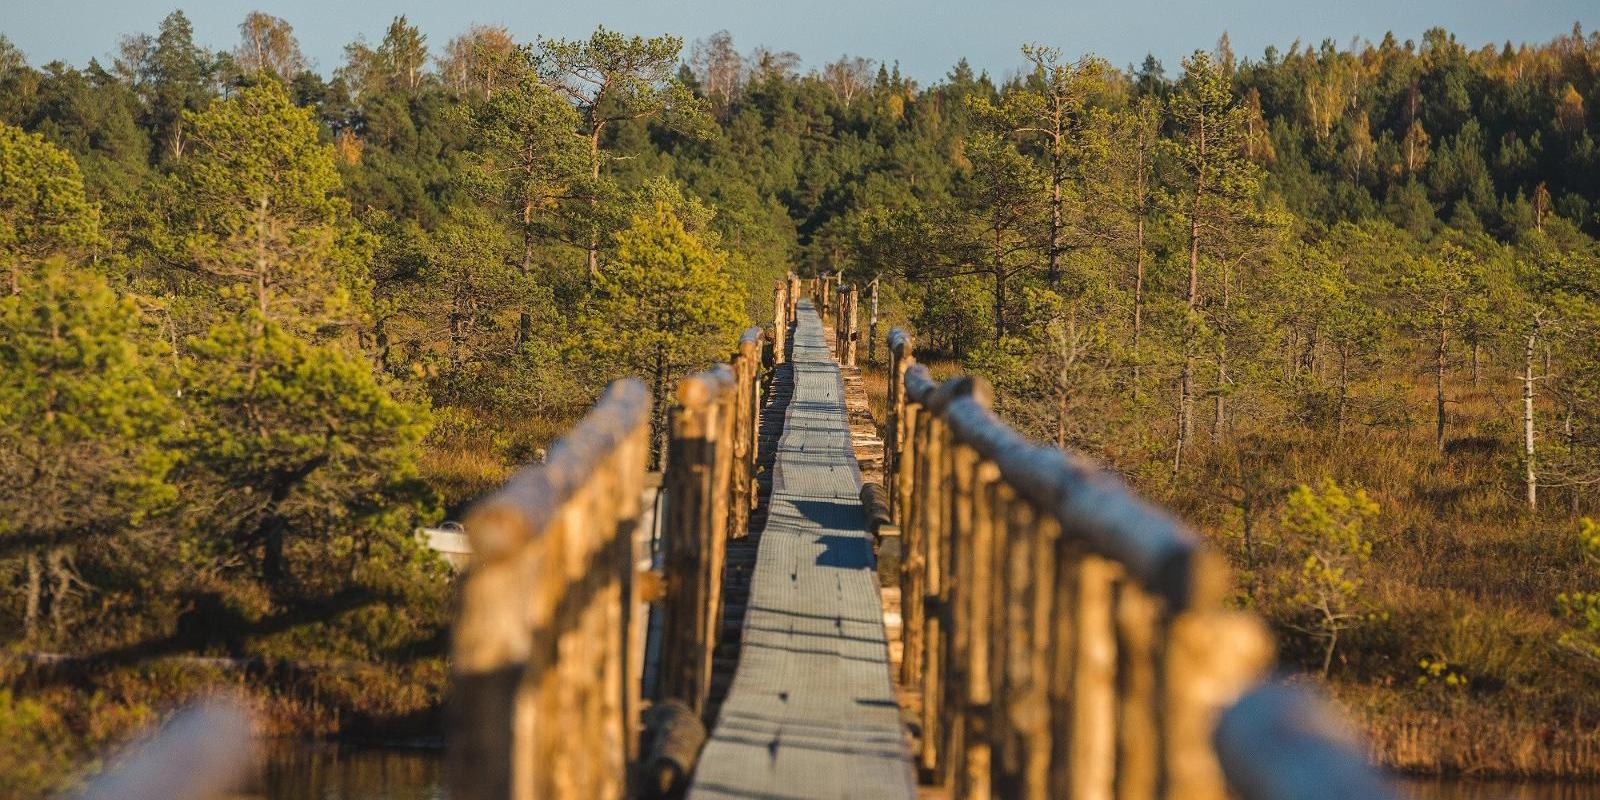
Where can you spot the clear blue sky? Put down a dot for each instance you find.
(925, 37)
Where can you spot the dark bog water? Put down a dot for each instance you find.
(1458, 789)
(314, 771)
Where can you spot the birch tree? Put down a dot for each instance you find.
(267, 46)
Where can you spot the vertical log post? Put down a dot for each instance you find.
(841, 323)
(694, 538)
(852, 333)
(780, 320)
(1139, 744)
(1093, 710)
(900, 424)
(746, 411)
(872, 323)
(1212, 657)
(976, 616)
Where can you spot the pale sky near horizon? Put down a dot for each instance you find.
(926, 38)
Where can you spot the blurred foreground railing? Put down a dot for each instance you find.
(548, 699)
(1067, 639)
(541, 702)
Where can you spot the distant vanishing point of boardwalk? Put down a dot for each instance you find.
(812, 710)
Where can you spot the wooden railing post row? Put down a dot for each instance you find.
(793, 296)
(964, 572)
(919, 460)
(1109, 653)
(543, 703)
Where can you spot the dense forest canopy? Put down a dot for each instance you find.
(1339, 306)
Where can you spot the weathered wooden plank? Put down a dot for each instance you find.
(811, 712)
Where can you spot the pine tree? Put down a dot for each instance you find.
(662, 304)
(43, 209)
(611, 79)
(1442, 289)
(527, 163)
(86, 413)
(1215, 193)
(312, 462)
(259, 212)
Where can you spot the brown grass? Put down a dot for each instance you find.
(1460, 572)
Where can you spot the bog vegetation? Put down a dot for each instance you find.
(1339, 306)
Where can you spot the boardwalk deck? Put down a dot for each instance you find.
(811, 712)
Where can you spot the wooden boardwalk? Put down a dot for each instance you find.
(811, 712)
(1055, 634)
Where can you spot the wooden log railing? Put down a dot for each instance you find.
(547, 664)
(1064, 637)
(542, 701)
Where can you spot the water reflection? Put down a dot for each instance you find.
(1458, 789)
(325, 771)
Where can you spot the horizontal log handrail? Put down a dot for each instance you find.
(1065, 637)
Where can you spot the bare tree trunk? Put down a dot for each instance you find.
(1219, 407)
(1054, 270)
(658, 411)
(1529, 474)
(1308, 357)
(525, 319)
(1477, 352)
(261, 256)
(1247, 512)
(1186, 379)
(1061, 418)
(1438, 383)
(61, 586)
(1344, 388)
(594, 202)
(1185, 387)
(35, 592)
(1138, 298)
(999, 288)
(872, 326)
(1327, 656)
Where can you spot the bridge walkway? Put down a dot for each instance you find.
(811, 712)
